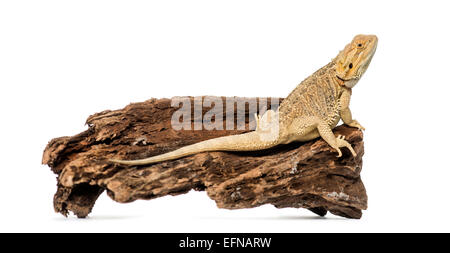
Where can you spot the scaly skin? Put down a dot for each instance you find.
(311, 110)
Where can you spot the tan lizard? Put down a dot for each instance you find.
(311, 110)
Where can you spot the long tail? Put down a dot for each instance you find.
(242, 142)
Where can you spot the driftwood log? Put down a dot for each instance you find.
(301, 175)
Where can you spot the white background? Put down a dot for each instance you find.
(61, 61)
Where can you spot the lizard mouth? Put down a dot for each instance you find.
(349, 83)
(346, 80)
(340, 78)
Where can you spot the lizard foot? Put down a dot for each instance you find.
(356, 124)
(341, 142)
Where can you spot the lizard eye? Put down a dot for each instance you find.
(350, 65)
(359, 45)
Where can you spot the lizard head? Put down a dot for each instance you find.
(353, 61)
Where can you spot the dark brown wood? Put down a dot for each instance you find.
(302, 175)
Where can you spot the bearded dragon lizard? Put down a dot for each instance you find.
(311, 110)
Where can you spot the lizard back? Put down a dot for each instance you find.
(318, 95)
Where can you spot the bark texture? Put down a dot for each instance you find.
(301, 175)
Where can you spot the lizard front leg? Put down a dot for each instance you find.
(304, 129)
(346, 114)
(327, 134)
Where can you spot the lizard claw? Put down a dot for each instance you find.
(341, 142)
(257, 121)
(339, 152)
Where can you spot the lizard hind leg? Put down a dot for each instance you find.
(266, 120)
(267, 126)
